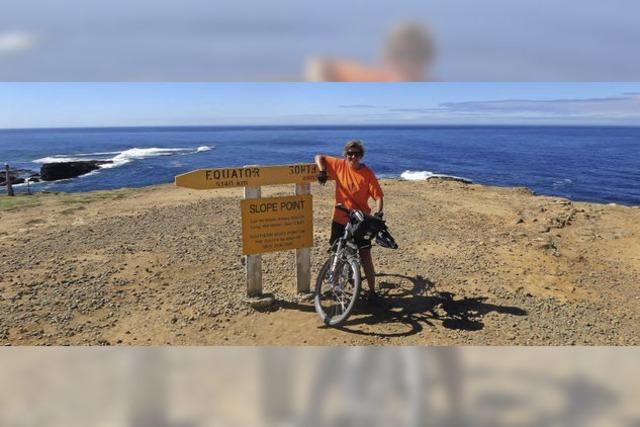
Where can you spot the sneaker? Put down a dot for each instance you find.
(372, 298)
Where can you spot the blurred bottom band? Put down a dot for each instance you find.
(296, 386)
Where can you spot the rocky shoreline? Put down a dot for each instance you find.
(53, 171)
(19, 176)
(476, 265)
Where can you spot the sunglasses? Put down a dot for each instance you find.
(353, 154)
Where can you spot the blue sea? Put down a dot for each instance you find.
(596, 164)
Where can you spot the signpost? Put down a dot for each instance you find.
(268, 224)
(8, 180)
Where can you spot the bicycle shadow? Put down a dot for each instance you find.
(422, 305)
(578, 400)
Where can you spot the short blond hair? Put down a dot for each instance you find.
(410, 41)
(354, 144)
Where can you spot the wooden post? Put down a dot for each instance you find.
(303, 256)
(8, 181)
(253, 263)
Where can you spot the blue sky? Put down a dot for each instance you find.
(29, 105)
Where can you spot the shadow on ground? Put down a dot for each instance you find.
(413, 308)
(421, 305)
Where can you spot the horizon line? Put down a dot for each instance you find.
(320, 125)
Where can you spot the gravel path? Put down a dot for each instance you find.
(163, 265)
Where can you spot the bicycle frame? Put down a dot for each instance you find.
(343, 244)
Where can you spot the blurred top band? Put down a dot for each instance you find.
(284, 40)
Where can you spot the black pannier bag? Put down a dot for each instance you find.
(367, 230)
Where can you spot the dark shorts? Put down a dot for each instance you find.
(337, 230)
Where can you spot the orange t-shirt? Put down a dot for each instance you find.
(345, 71)
(353, 187)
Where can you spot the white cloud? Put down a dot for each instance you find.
(612, 109)
(16, 41)
(543, 106)
(365, 106)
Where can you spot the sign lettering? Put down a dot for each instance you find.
(248, 176)
(276, 224)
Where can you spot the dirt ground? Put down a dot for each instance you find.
(163, 265)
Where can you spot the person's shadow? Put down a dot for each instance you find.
(420, 305)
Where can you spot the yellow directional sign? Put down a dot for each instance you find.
(248, 176)
(276, 224)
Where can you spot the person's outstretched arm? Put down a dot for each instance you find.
(326, 168)
(321, 162)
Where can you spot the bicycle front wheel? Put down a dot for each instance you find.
(337, 291)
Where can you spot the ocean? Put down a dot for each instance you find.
(596, 164)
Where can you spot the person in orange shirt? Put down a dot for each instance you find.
(355, 184)
(408, 54)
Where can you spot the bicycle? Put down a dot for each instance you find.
(339, 280)
(367, 386)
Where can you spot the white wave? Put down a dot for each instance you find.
(31, 184)
(121, 157)
(424, 175)
(562, 182)
(39, 184)
(104, 153)
(78, 157)
(416, 175)
(56, 159)
(138, 154)
(93, 172)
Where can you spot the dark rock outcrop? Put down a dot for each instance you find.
(450, 178)
(65, 170)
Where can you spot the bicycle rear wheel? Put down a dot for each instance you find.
(337, 291)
